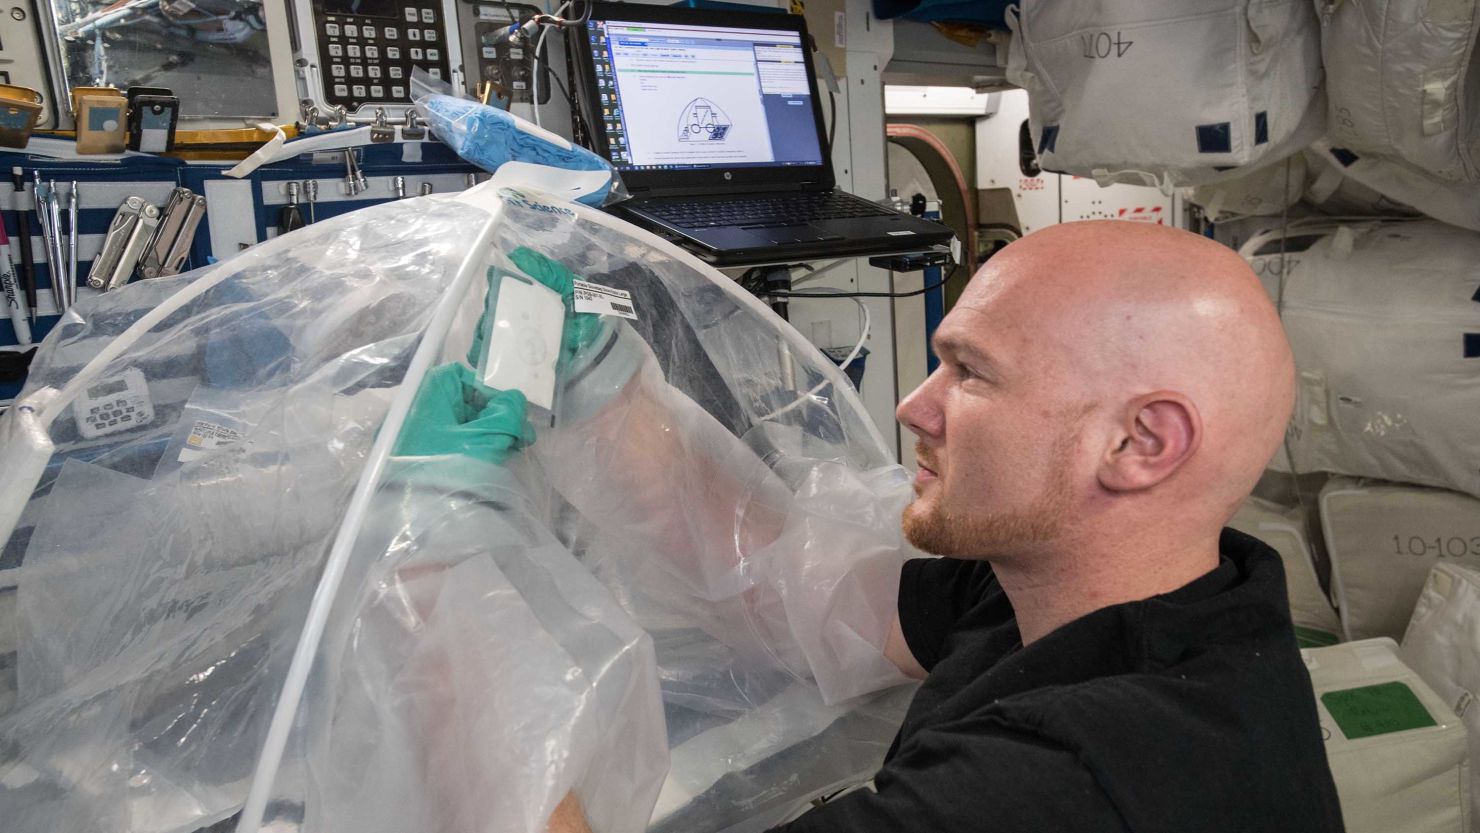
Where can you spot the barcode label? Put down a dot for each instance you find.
(205, 437)
(603, 300)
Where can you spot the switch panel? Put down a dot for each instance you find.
(507, 64)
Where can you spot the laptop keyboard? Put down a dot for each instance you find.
(793, 209)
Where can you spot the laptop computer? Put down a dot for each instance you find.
(714, 121)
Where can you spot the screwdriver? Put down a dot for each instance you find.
(290, 218)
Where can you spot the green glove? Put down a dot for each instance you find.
(454, 414)
(581, 329)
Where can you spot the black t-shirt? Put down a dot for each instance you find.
(1190, 711)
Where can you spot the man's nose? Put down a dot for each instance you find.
(920, 411)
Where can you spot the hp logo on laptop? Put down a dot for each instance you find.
(727, 176)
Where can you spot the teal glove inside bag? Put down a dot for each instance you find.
(581, 329)
(454, 414)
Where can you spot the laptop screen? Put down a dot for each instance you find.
(683, 96)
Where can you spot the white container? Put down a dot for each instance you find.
(1397, 751)
(1316, 623)
(1383, 539)
(1443, 646)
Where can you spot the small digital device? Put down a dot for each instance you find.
(114, 405)
(359, 54)
(153, 113)
(524, 345)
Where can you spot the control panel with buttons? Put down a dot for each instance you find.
(491, 57)
(114, 405)
(368, 49)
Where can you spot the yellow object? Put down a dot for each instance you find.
(101, 114)
(20, 107)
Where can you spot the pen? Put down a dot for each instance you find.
(55, 255)
(12, 291)
(43, 220)
(72, 245)
(23, 231)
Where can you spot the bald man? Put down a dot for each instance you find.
(1099, 653)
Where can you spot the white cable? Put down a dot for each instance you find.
(823, 291)
(534, 83)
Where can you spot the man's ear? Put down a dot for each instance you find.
(1156, 435)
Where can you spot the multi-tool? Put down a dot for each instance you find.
(170, 245)
(128, 235)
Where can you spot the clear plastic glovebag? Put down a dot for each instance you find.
(238, 601)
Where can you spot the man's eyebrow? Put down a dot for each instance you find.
(957, 347)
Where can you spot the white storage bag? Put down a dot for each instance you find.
(1264, 191)
(1402, 81)
(1283, 529)
(1385, 324)
(1167, 94)
(1397, 751)
(1443, 645)
(1456, 203)
(1383, 539)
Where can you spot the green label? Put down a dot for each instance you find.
(1376, 710)
(1313, 638)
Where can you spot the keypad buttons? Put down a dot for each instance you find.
(372, 52)
(351, 30)
(434, 72)
(367, 32)
(416, 53)
(377, 92)
(393, 53)
(398, 92)
(354, 51)
(331, 29)
(335, 50)
(413, 34)
(434, 55)
(337, 70)
(359, 90)
(428, 16)
(411, 15)
(374, 71)
(391, 33)
(357, 71)
(429, 35)
(341, 90)
(395, 71)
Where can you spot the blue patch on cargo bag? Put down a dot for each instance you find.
(1048, 139)
(1344, 156)
(1472, 345)
(1261, 127)
(1215, 138)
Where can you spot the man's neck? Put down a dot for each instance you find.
(1051, 589)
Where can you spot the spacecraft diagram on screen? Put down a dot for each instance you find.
(703, 121)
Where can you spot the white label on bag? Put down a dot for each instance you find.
(603, 300)
(205, 437)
